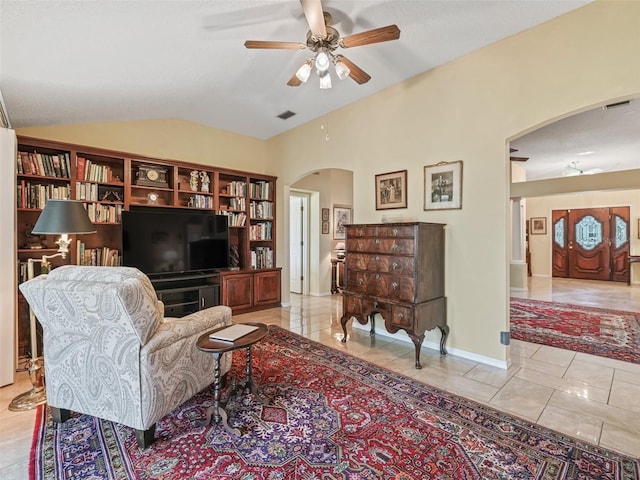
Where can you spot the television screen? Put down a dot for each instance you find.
(160, 241)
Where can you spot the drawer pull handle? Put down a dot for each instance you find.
(395, 265)
(395, 231)
(394, 247)
(359, 245)
(360, 281)
(394, 285)
(375, 304)
(401, 316)
(377, 241)
(360, 232)
(377, 258)
(377, 276)
(359, 263)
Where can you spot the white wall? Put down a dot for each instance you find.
(8, 257)
(468, 110)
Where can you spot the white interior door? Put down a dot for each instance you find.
(298, 242)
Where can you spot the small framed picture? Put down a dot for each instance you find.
(325, 215)
(538, 226)
(341, 217)
(325, 227)
(391, 190)
(639, 228)
(443, 186)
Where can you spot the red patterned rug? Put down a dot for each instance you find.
(331, 416)
(599, 331)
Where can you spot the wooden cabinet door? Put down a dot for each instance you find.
(237, 291)
(267, 288)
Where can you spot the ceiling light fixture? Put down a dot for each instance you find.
(572, 170)
(321, 62)
(325, 81)
(304, 71)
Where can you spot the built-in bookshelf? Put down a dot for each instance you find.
(109, 182)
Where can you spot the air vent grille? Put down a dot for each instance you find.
(617, 104)
(286, 114)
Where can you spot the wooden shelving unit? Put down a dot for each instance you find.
(109, 182)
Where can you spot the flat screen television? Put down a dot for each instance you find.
(162, 242)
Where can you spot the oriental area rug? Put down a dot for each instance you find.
(598, 331)
(330, 416)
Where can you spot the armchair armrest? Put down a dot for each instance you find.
(173, 330)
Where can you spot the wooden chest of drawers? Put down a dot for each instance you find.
(396, 270)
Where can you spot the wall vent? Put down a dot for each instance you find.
(287, 114)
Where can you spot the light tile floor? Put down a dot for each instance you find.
(592, 398)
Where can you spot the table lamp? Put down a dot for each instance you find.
(340, 250)
(59, 217)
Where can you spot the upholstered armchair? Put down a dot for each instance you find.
(110, 353)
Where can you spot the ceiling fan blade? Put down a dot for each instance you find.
(355, 72)
(277, 45)
(377, 35)
(315, 17)
(518, 159)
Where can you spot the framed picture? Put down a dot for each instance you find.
(325, 226)
(325, 215)
(639, 228)
(538, 226)
(443, 186)
(341, 217)
(391, 190)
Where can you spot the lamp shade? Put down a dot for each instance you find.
(63, 216)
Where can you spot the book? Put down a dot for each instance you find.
(232, 332)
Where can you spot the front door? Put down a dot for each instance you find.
(591, 243)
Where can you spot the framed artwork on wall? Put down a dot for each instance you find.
(443, 186)
(325, 214)
(325, 227)
(538, 226)
(341, 217)
(391, 190)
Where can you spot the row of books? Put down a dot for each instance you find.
(104, 256)
(28, 270)
(238, 189)
(101, 213)
(35, 195)
(94, 172)
(44, 165)
(261, 210)
(260, 231)
(200, 201)
(260, 189)
(235, 219)
(237, 203)
(261, 257)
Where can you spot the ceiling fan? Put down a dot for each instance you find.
(323, 39)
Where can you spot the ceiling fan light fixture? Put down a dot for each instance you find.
(342, 70)
(322, 60)
(572, 170)
(304, 71)
(325, 81)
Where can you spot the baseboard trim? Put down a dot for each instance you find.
(403, 337)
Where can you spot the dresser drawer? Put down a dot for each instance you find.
(351, 305)
(393, 287)
(361, 231)
(396, 231)
(402, 317)
(381, 263)
(387, 246)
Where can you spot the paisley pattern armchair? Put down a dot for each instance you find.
(109, 352)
